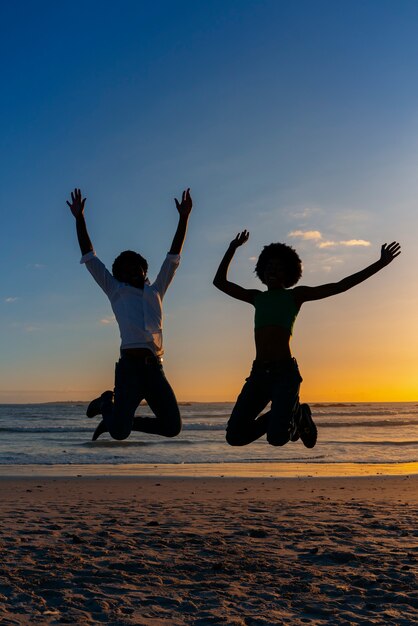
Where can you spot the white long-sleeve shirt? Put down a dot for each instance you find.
(138, 312)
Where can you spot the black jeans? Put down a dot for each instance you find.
(138, 379)
(278, 382)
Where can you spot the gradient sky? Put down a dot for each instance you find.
(297, 120)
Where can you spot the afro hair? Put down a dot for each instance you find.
(287, 255)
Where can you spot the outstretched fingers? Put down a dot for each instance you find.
(77, 202)
(185, 205)
(241, 238)
(390, 251)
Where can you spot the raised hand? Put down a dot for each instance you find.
(389, 252)
(77, 203)
(240, 239)
(185, 206)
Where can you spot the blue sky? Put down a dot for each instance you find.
(282, 116)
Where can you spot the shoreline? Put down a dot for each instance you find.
(215, 470)
(150, 490)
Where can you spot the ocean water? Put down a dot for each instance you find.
(59, 433)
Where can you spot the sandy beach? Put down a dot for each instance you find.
(240, 551)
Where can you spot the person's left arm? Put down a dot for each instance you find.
(172, 260)
(184, 207)
(305, 294)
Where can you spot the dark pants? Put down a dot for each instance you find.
(278, 382)
(138, 379)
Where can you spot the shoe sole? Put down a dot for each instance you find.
(307, 429)
(99, 431)
(95, 406)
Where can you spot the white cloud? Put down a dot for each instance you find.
(347, 243)
(305, 234)
(316, 236)
(10, 299)
(355, 242)
(327, 244)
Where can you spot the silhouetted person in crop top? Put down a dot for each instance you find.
(137, 305)
(275, 375)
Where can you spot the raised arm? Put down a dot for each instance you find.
(184, 208)
(221, 277)
(77, 209)
(388, 253)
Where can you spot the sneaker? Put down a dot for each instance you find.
(95, 406)
(101, 428)
(307, 429)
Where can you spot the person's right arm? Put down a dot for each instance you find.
(77, 209)
(97, 269)
(221, 277)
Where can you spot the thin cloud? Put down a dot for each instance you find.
(108, 320)
(10, 299)
(355, 242)
(327, 244)
(326, 264)
(348, 244)
(305, 234)
(353, 216)
(303, 214)
(328, 268)
(36, 266)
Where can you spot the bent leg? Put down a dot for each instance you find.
(118, 415)
(285, 406)
(162, 402)
(244, 426)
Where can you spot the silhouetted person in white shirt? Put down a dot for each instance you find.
(137, 305)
